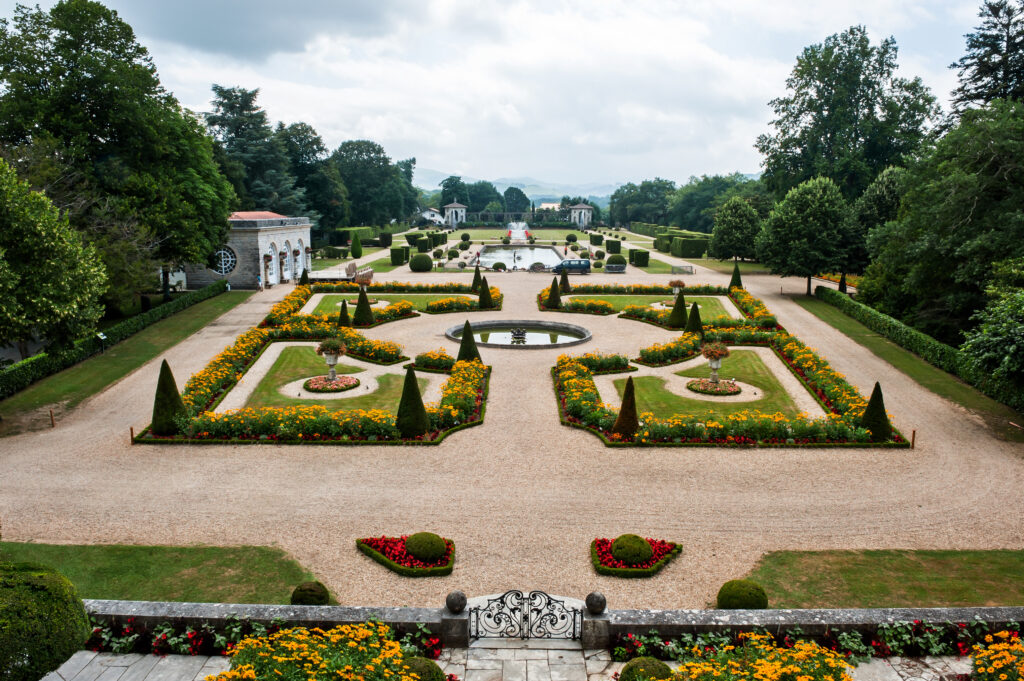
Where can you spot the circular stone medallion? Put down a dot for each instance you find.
(705, 387)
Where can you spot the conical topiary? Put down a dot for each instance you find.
(563, 283)
(357, 247)
(167, 405)
(363, 315)
(343, 319)
(677, 319)
(467, 348)
(693, 324)
(842, 283)
(486, 302)
(874, 417)
(411, 420)
(627, 422)
(304, 279)
(554, 301)
(476, 279)
(736, 281)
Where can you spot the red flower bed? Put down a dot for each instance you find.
(393, 548)
(604, 554)
(704, 386)
(322, 384)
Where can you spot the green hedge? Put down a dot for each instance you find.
(646, 228)
(945, 357)
(684, 247)
(398, 255)
(631, 572)
(407, 571)
(596, 239)
(26, 372)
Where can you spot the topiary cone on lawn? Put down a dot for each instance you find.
(476, 279)
(468, 351)
(736, 281)
(485, 300)
(627, 422)
(411, 420)
(364, 314)
(874, 417)
(693, 324)
(677, 319)
(167, 405)
(343, 319)
(304, 279)
(554, 301)
(563, 283)
(357, 247)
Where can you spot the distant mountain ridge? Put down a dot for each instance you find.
(537, 190)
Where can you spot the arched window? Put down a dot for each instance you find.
(270, 264)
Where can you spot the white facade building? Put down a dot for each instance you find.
(581, 214)
(454, 213)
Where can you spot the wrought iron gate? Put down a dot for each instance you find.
(517, 615)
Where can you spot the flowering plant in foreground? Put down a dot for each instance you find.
(323, 384)
(393, 548)
(758, 658)
(660, 547)
(1000, 658)
(714, 351)
(704, 386)
(435, 359)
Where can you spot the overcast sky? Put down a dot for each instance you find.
(560, 90)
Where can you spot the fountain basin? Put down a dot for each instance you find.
(519, 256)
(538, 335)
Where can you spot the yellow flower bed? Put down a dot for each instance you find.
(759, 659)
(1000, 659)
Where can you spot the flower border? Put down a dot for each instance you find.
(634, 573)
(440, 571)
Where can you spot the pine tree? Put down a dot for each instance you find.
(364, 313)
(357, 247)
(694, 324)
(563, 283)
(304, 279)
(167, 405)
(486, 302)
(993, 66)
(468, 351)
(554, 301)
(677, 319)
(476, 280)
(343, 319)
(411, 419)
(736, 281)
(874, 417)
(627, 422)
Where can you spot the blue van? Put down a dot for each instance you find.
(581, 266)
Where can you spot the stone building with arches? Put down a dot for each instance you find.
(276, 247)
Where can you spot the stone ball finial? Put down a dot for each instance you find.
(455, 602)
(596, 602)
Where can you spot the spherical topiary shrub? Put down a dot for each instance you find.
(311, 593)
(597, 264)
(571, 238)
(453, 253)
(742, 594)
(438, 253)
(616, 259)
(499, 266)
(465, 236)
(426, 669)
(426, 546)
(506, 240)
(421, 262)
(463, 245)
(42, 621)
(631, 549)
(643, 668)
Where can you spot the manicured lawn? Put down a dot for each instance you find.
(743, 365)
(332, 303)
(303, 362)
(709, 307)
(725, 266)
(998, 416)
(891, 579)
(87, 378)
(655, 267)
(324, 263)
(383, 265)
(204, 574)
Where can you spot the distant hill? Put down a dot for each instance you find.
(537, 190)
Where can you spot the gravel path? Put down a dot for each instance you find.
(521, 495)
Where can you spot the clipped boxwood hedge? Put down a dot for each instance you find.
(439, 571)
(26, 372)
(632, 572)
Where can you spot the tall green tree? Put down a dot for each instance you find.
(801, 237)
(644, 202)
(736, 227)
(516, 201)
(316, 174)
(378, 190)
(453, 190)
(50, 281)
(480, 194)
(879, 204)
(692, 205)
(993, 66)
(846, 116)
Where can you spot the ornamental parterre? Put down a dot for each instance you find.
(660, 548)
(705, 386)
(322, 384)
(391, 553)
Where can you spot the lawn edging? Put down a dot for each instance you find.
(439, 571)
(632, 572)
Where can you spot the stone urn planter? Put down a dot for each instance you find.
(331, 349)
(715, 353)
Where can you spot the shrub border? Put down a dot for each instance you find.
(633, 573)
(439, 571)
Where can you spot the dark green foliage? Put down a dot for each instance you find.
(499, 267)
(993, 67)
(468, 351)
(874, 417)
(571, 238)
(742, 594)
(554, 301)
(304, 278)
(627, 422)
(343, 318)
(645, 669)
(167, 405)
(631, 549)
(398, 256)
(411, 418)
(677, 319)
(363, 316)
(631, 572)
(426, 670)
(692, 205)
(311, 593)
(596, 239)
(736, 226)
(617, 259)
(486, 302)
(686, 247)
(639, 257)
(464, 236)
(439, 571)
(613, 246)
(424, 245)
(357, 247)
(426, 546)
(42, 621)
(736, 281)
(694, 324)
(563, 283)
(476, 279)
(385, 239)
(421, 262)
(646, 202)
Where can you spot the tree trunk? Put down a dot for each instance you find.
(167, 283)
(23, 349)
(808, 286)
(842, 283)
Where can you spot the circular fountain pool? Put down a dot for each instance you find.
(522, 333)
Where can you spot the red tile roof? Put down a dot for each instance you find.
(255, 215)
